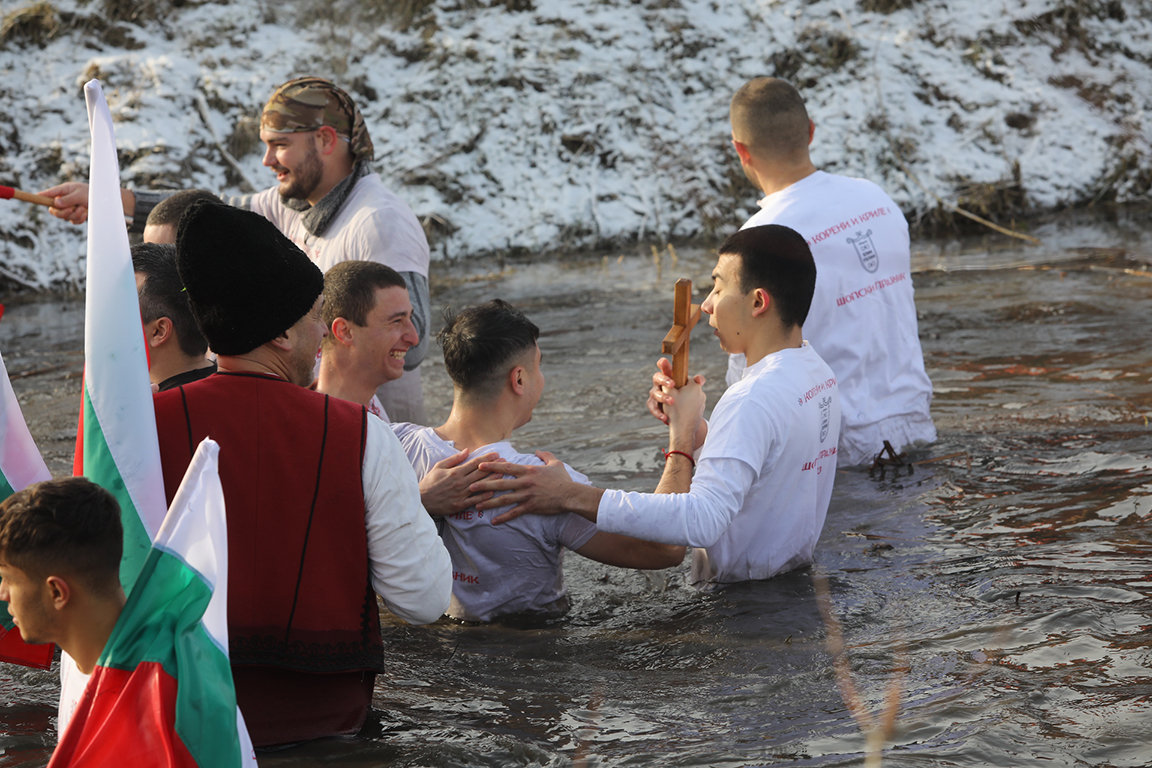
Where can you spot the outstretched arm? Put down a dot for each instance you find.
(72, 201)
(546, 490)
(627, 552)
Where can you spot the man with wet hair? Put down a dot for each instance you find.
(863, 316)
(160, 226)
(60, 548)
(492, 357)
(764, 467)
(176, 348)
(324, 510)
(328, 202)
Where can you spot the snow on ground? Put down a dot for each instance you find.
(537, 125)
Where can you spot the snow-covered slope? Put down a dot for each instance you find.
(546, 124)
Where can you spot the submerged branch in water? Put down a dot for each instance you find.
(877, 730)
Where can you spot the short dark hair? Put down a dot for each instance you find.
(163, 295)
(69, 526)
(480, 342)
(170, 209)
(777, 259)
(350, 290)
(769, 116)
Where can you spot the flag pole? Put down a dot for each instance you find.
(7, 193)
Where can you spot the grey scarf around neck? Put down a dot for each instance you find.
(317, 218)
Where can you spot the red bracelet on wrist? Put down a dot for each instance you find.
(680, 453)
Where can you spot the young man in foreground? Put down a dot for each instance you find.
(60, 547)
(491, 354)
(766, 463)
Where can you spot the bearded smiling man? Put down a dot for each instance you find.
(327, 201)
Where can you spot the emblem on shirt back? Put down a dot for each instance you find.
(825, 417)
(866, 251)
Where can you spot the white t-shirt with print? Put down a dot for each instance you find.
(500, 569)
(763, 478)
(863, 315)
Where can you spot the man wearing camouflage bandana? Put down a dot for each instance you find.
(328, 202)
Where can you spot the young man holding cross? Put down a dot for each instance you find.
(766, 463)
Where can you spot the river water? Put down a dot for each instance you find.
(1004, 593)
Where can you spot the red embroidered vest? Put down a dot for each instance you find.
(299, 589)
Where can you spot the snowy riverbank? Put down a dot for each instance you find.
(547, 124)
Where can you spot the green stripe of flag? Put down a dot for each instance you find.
(100, 468)
(161, 623)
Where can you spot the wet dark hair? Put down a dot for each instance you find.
(67, 527)
(480, 343)
(163, 295)
(777, 259)
(350, 290)
(170, 209)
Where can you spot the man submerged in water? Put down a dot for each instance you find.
(491, 354)
(767, 461)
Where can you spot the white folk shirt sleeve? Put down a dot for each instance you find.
(411, 570)
(695, 519)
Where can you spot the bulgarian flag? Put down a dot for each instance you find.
(116, 445)
(161, 694)
(20, 466)
(116, 440)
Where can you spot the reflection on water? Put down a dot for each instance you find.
(1016, 581)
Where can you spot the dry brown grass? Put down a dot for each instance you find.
(37, 23)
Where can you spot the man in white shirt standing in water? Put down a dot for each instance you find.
(863, 316)
(766, 463)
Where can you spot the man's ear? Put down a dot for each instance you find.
(60, 592)
(283, 342)
(516, 379)
(811, 130)
(761, 301)
(341, 331)
(743, 151)
(327, 138)
(158, 331)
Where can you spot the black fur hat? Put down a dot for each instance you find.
(247, 283)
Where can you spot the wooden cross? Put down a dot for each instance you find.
(685, 314)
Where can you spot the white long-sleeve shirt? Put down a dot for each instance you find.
(763, 479)
(411, 569)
